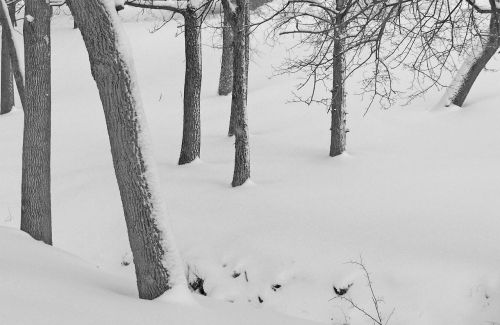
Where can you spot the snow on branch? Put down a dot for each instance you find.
(170, 5)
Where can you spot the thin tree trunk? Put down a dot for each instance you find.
(18, 70)
(468, 74)
(35, 190)
(191, 134)
(338, 126)
(7, 80)
(226, 68)
(239, 97)
(157, 264)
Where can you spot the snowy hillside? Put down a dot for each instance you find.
(416, 197)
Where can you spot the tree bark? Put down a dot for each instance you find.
(7, 80)
(18, 70)
(35, 189)
(466, 78)
(226, 68)
(157, 264)
(191, 134)
(338, 125)
(240, 25)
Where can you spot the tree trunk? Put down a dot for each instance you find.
(226, 68)
(18, 70)
(191, 134)
(157, 264)
(468, 74)
(338, 127)
(35, 189)
(7, 80)
(239, 96)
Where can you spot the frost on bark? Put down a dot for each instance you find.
(239, 20)
(35, 188)
(473, 65)
(157, 264)
(191, 134)
(226, 68)
(7, 32)
(337, 110)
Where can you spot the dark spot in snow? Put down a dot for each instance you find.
(260, 299)
(275, 287)
(197, 285)
(342, 291)
(235, 274)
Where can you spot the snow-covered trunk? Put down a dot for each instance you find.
(466, 76)
(8, 31)
(157, 263)
(35, 187)
(338, 126)
(226, 68)
(7, 80)
(239, 96)
(191, 132)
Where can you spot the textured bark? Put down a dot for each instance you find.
(157, 265)
(239, 22)
(338, 126)
(35, 189)
(191, 132)
(7, 79)
(7, 29)
(226, 68)
(479, 63)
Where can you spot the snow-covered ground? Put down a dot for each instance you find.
(416, 196)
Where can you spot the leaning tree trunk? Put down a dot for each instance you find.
(157, 264)
(191, 133)
(35, 189)
(226, 68)
(7, 91)
(338, 126)
(239, 96)
(8, 31)
(473, 66)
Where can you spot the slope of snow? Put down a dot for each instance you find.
(43, 285)
(416, 195)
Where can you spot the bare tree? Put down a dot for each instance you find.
(7, 32)
(476, 62)
(157, 263)
(226, 69)
(35, 189)
(7, 77)
(432, 36)
(340, 37)
(239, 18)
(193, 15)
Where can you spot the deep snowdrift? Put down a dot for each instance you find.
(416, 195)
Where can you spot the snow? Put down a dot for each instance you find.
(416, 196)
(45, 285)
